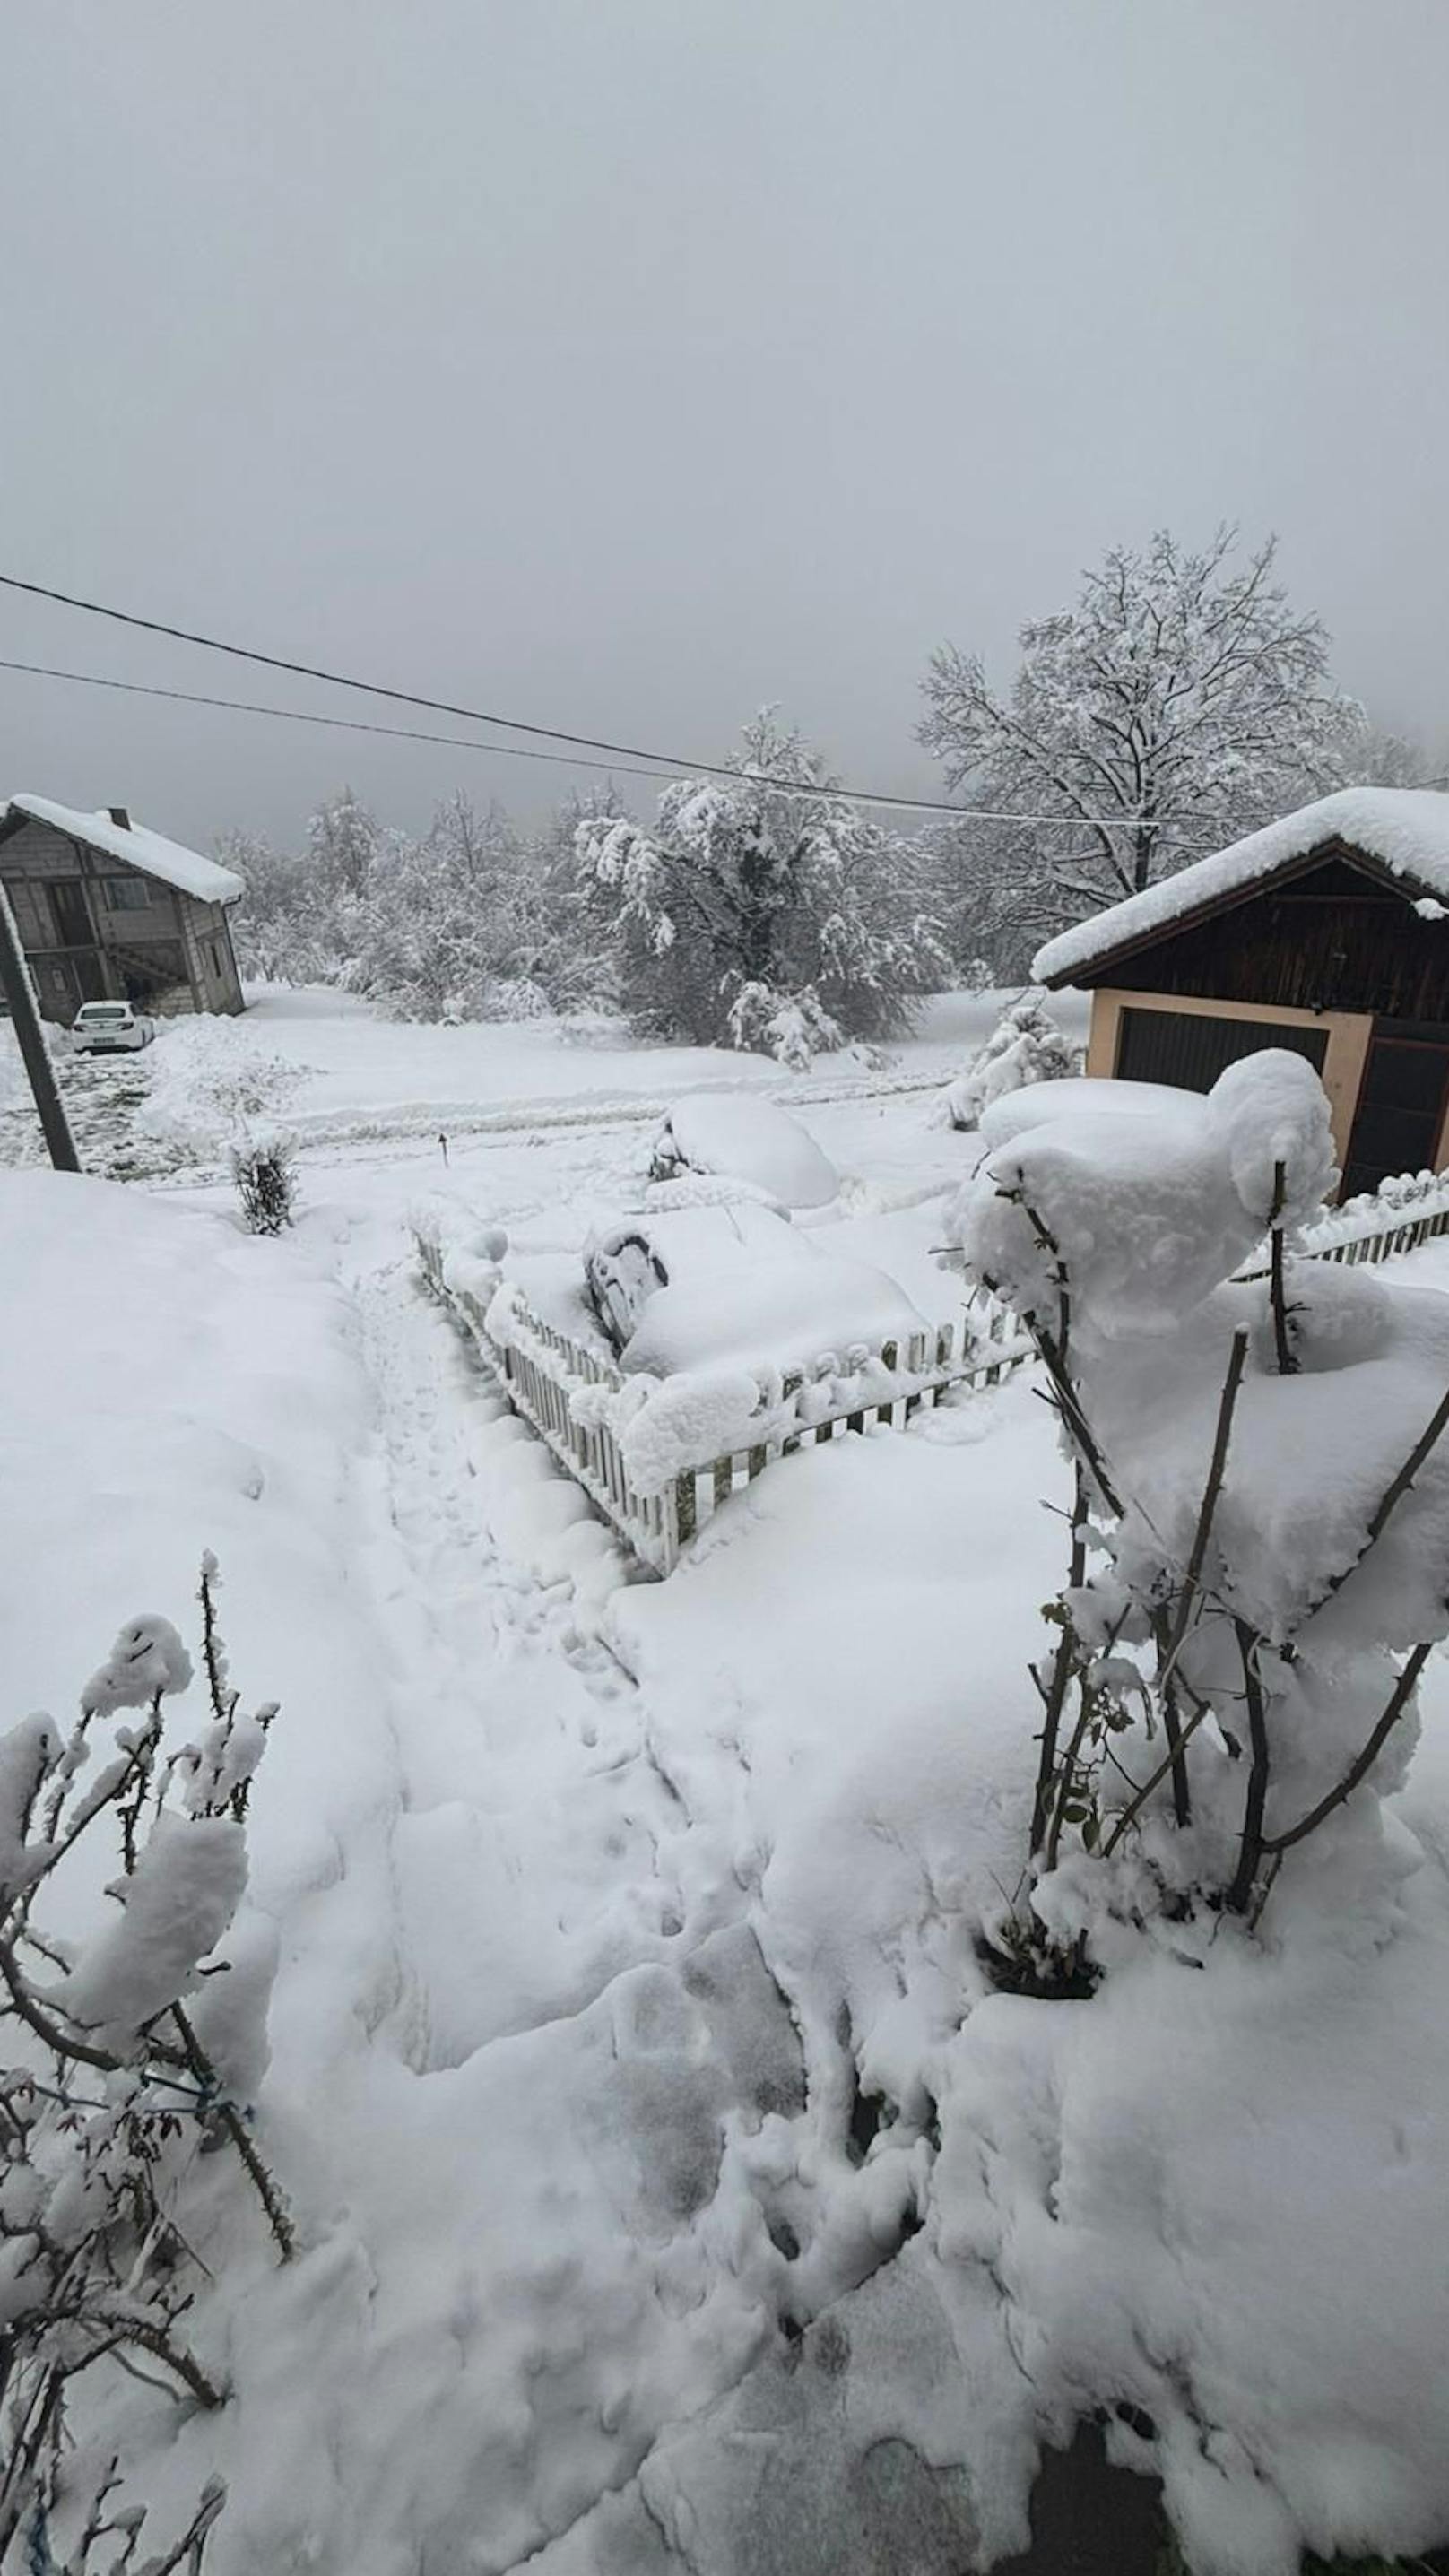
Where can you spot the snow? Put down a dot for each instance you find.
(1029, 1047)
(1405, 828)
(1017, 1111)
(745, 1289)
(148, 1656)
(594, 1903)
(142, 848)
(175, 1907)
(747, 1140)
(1150, 1207)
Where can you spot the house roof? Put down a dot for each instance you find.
(1405, 829)
(186, 870)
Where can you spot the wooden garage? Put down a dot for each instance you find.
(1328, 932)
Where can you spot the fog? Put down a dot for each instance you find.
(624, 364)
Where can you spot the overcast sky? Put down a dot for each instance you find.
(622, 364)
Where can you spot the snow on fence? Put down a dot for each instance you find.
(1397, 1217)
(564, 1390)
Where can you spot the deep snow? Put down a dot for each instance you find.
(612, 1915)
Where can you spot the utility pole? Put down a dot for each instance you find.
(20, 1001)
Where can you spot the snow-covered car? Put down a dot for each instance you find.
(734, 1285)
(109, 1028)
(726, 1133)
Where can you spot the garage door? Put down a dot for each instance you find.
(1400, 1105)
(1191, 1048)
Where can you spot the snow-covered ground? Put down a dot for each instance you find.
(674, 2202)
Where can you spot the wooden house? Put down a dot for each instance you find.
(1328, 932)
(109, 911)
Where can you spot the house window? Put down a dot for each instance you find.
(213, 954)
(127, 894)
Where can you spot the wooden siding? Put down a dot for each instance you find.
(1336, 937)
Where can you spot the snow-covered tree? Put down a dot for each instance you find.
(343, 839)
(464, 923)
(762, 909)
(1025, 1046)
(1179, 704)
(1375, 756)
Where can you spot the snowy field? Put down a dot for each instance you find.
(673, 2201)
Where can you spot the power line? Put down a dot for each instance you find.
(668, 762)
(490, 750)
(337, 724)
(627, 761)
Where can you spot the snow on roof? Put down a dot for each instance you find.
(1405, 828)
(187, 870)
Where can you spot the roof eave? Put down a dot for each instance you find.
(15, 814)
(1397, 880)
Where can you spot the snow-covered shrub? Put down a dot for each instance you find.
(1025, 1046)
(128, 2051)
(762, 910)
(1260, 1519)
(264, 1168)
(792, 1027)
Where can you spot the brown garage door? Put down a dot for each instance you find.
(1191, 1048)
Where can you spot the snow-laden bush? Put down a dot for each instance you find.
(1260, 1521)
(263, 1166)
(1025, 1046)
(129, 2052)
(792, 1027)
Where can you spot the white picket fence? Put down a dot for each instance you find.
(541, 1370)
(1405, 1212)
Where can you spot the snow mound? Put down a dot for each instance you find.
(1015, 1111)
(1148, 1210)
(208, 1076)
(751, 1296)
(728, 1133)
(707, 1189)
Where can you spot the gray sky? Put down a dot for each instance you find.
(625, 363)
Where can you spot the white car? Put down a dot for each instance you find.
(109, 1028)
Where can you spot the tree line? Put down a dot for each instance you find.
(1180, 702)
